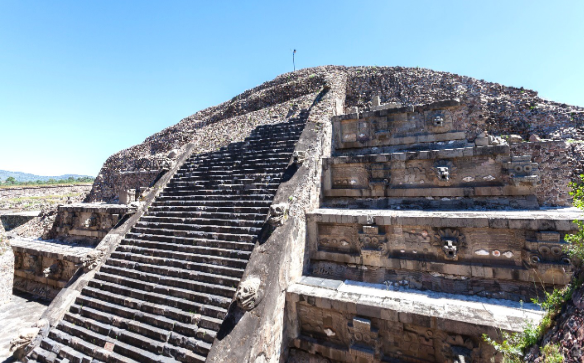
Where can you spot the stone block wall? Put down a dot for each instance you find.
(87, 223)
(557, 165)
(44, 268)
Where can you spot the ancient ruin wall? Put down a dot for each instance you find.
(489, 106)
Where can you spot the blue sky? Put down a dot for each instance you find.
(81, 80)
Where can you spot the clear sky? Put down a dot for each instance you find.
(81, 80)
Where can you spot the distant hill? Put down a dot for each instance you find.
(26, 177)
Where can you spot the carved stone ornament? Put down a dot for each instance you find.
(444, 171)
(278, 214)
(247, 295)
(458, 348)
(299, 157)
(523, 171)
(54, 271)
(451, 242)
(25, 336)
(372, 242)
(364, 341)
(92, 260)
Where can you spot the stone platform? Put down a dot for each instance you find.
(43, 268)
(88, 223)
(358, 322)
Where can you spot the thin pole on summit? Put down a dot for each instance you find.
(293, 61)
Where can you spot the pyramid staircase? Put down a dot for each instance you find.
(164, 292)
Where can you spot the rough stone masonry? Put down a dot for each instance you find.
(410, 213)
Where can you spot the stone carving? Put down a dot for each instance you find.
(364, 341)
(329, 269)
(247, 295)
(278, 214)
(484, 139)
(92, 260)
(451, 242)
(299, 157)
(458, 348)
(25, 337)
(350, 177)
(372, 242)
(34, 263)
(522, 170)
(55, 271)
(338, 238)
(444, 171)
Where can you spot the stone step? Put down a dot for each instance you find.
(228, 179)
(193, 208)
(258, 146)
(222, 156)
(129, 251)
(205, 214)
(259, 160)
(271, 135)
(168, 318)
(239, 237)
(219, 198)
(79, 351)
(157, 300)
(234, 251)
(222, 175)
(211, 204)
(148, 287)
(193, 228)
(199, 242)
(250, 160)
(175, 272)
(140, 335)
(187, 265)
(204, 221)
(65, 332)
(243, 168)
(186, 284)
(218, 191)
(243, 184)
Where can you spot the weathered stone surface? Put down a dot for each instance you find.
(348, 320)
(87, 223)
(43, 268)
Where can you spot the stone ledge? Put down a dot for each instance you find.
(445, 153)
(381, 111)
(560, 219)
(375, 301)
(50, 249)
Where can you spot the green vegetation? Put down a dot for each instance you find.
(513, 346)
(11, 182)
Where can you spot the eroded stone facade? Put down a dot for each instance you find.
(87, 223)
(43, 268)
(419, 216)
